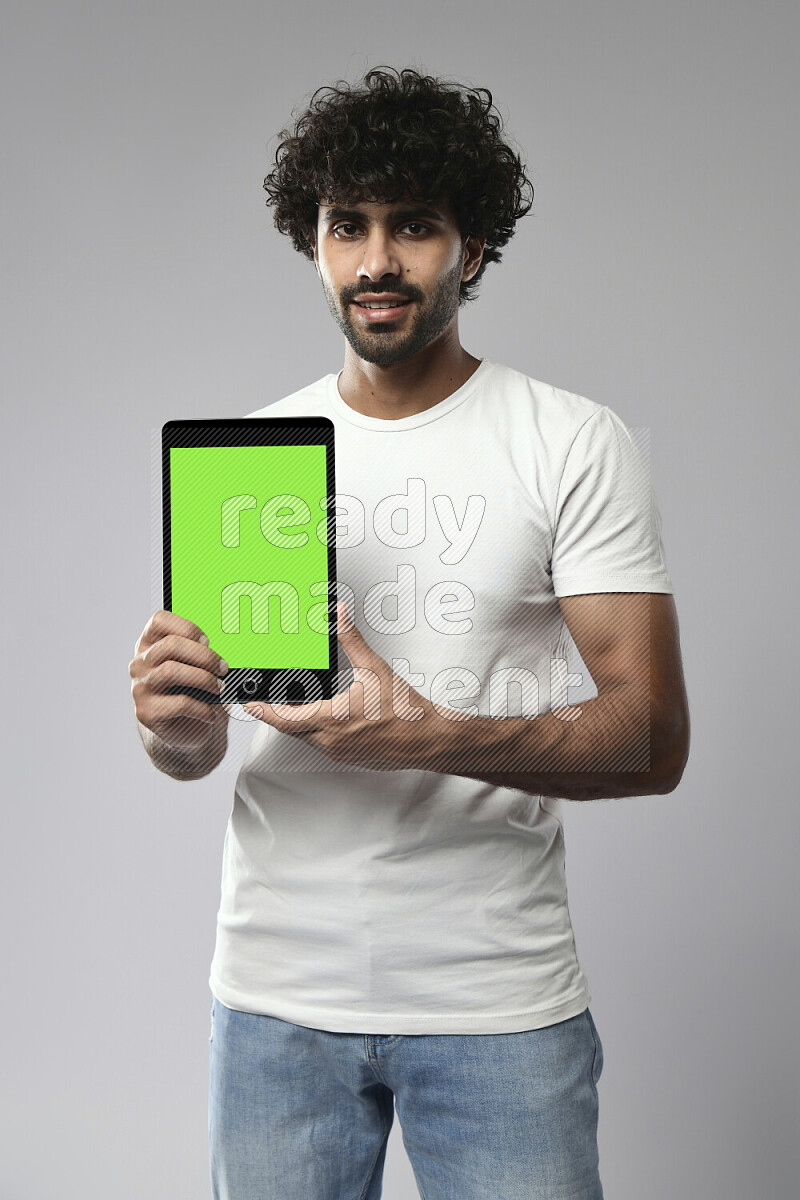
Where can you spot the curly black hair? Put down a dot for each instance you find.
(397, 134)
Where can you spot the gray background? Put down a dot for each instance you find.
(143, 282)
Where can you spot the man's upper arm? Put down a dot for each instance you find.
(629, 641)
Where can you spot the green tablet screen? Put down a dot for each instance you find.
(249, 554)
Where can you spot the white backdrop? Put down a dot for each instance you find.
(143, 281)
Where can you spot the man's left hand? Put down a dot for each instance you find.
(380, 722)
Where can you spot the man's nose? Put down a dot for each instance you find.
(380, 256)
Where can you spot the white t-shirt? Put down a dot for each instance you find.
(411, 902)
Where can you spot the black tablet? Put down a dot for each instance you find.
(249, 523)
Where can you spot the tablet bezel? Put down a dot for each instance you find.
(278, 685)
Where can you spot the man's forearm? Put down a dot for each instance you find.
(608, 747)
(186, 764)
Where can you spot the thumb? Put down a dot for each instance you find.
(358, 650)
(350, 637)
(344, 621)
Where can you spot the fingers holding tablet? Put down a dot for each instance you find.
(177, 680)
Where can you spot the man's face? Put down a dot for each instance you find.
(402, 252)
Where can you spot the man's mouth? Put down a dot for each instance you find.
(381, 310)
(380, 304)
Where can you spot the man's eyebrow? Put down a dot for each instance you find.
(399, 214)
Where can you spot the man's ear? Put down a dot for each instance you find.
(473, 254)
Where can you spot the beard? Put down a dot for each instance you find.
(382, 345)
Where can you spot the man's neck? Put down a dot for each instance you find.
(405, 388)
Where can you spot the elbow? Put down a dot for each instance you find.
(674, 739)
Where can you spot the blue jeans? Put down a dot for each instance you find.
(304, 1114)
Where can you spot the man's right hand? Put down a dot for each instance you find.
(168, 655)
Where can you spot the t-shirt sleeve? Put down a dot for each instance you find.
(607, 528)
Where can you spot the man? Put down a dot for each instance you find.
(394, 928)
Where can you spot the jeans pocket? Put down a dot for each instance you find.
(211, 1030)
(597, 1061)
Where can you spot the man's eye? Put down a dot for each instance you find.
(348, 225)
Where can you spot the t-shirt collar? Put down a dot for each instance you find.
(433, 413)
